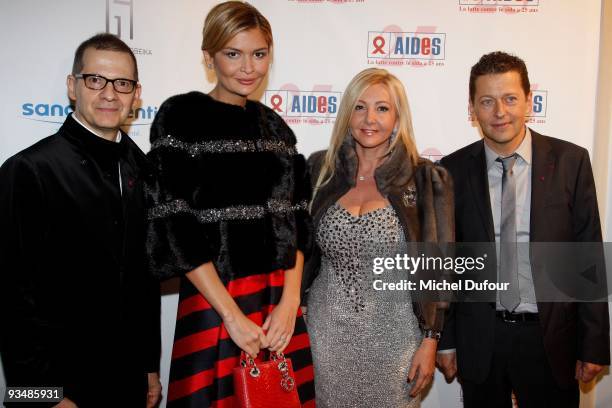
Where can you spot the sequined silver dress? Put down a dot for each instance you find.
(362, 340)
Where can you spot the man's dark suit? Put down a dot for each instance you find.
(78, 307)
(563, 209)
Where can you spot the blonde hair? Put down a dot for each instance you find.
(405, 135)
(227, 19)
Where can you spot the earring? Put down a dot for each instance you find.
(393, 135)
(209, 66)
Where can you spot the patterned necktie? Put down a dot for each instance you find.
(508, 265)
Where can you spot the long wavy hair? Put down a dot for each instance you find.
(405, 135)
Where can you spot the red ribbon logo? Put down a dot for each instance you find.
(276, 101)
(379, 43)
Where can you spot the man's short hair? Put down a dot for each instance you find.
(105, 42)
(499, 62)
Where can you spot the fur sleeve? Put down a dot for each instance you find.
(313, 262)
(301, 198)
(437, 218)
(176, 242)
(436, 202)
(299, 185)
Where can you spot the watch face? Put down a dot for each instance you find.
(432, 334)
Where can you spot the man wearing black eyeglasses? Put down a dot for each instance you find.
(78, 308)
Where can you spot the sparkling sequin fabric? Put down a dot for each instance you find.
(362, 340)
(224, 146)
(240, 212)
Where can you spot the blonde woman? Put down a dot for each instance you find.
(228, 214)
(372, 190)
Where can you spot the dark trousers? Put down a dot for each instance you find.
(519, 365)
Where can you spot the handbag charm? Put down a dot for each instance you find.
(270, 384)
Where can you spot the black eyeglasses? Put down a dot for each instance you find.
(98, 82)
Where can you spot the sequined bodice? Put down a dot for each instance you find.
(353, 327)
(346, 241)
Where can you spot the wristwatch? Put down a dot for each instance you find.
(432, 334)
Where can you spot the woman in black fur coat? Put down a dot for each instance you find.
(228, 214)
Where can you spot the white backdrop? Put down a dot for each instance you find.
(319, 46)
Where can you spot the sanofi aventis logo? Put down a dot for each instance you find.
(57, 112)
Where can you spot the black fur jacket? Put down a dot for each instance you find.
(421, 196)
(229, 187)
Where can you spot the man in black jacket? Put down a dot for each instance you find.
(78, 308)
(513, 186)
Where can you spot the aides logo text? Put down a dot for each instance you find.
(424, 47)
(319, 106)
(539, 105)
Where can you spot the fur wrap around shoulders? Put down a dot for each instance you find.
(229, 187)
(421, 195)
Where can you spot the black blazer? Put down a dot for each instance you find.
(563, 209)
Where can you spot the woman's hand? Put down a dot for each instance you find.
(280, 324)
(155, 388)
(422, 366)
(246, 334)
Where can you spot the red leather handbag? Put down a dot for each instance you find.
(270, 384)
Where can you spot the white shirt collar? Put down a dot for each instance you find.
(524, 151)
(117, 139)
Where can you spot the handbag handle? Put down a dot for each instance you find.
(287, 382)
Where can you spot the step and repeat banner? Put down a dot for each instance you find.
(319, 46)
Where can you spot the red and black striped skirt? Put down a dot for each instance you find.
(204, 355)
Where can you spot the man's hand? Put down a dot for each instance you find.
(447, 363)
(155, 388)
(585, 371)
(66, 403)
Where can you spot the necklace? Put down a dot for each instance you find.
(363, 178)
